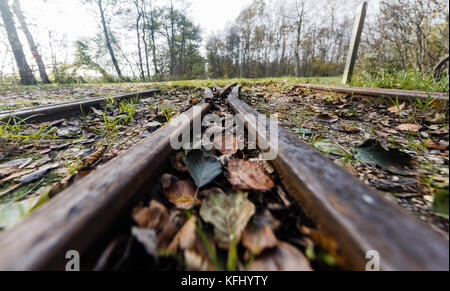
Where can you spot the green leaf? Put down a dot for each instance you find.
(371, 152)
(229, 214)
(328, 147)
(441, 202)
(12, 213)
(203, 168)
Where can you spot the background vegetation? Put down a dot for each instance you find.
(149, 40)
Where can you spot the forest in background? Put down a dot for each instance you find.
(141, 40)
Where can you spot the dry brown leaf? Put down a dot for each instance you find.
(284, 257)
(185, 238)
(433, 145)
(246, 175)
(257, 240)
(93, 158)
(157, 218)
(177, 164)
(409, 127)
(179, 192)
(226, 144)
(194, 101)
(196, 262)
(396, 109)
(7, 171)
(152, 217)
(328, 118)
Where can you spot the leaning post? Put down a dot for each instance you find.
(354, 43)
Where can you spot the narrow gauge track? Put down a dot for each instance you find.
(355, 216)
(377, 92)
(68, 109)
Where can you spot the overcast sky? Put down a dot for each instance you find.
(72, 18)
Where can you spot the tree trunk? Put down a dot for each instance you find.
(108, 40)
(138, 34)
(26, 75)
(33, 47)
(299, 35)
(144, 40)
(172, 39)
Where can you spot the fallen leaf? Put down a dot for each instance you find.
(4, 172)
(185, 238)
(349, 128)
(371, 152)
(430, 144)
(396, 109)
(284, 257)
(246, 175)
(98, 112)
(177, 164)
(328, 118)
(180, 193)
(226, 144)
(38, 174)
(326, 146)
(409, 127)
(203, 169)
(152, 217)
(13, 213)
(259, 239)
(147, 238)
(93, 158)
(229, 214)
(20, 163)
(196, 262)
(157, 218)
(16, 175)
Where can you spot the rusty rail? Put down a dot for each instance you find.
(80, 214)
(67, 109)
(358, 218)
(377, 92)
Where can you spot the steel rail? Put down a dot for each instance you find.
(77, 216)
(67, 109)
(358, 218)
(377, 92)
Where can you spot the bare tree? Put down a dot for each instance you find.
(106, 34)
(33, 47)
(26, 75)
(300, 5)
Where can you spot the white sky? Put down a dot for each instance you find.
(75, 20)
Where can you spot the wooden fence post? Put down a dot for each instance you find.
(354, 43)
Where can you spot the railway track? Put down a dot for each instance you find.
(68, 109)
(377, 92)
(353, 216)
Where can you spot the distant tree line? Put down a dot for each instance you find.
(144, 40)
(311, 38)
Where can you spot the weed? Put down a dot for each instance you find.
(168, 111)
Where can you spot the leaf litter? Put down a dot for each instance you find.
(219, 210)
(405, 127)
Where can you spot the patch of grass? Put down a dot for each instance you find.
(13, 131)
(168, 110)
(407, 80)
